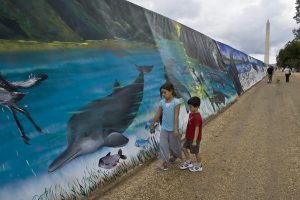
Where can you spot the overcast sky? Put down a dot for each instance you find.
(238, 23)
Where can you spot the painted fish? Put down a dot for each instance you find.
(110, 161)
(142, 143)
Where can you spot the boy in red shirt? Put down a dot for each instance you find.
(193, 136)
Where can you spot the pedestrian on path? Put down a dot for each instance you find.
(169, 136)
(287, 72)
(270, 71)
(193, 137)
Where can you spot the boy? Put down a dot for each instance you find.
(193, 137)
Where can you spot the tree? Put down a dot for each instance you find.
(297, 18)
(290, 55)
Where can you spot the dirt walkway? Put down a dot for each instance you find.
(250, 151)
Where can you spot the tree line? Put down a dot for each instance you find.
(290, 54)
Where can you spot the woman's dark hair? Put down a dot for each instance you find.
(194, 101)
(167, 86)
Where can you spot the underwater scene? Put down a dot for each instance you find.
(77, 97)
(248, 69)
(81, 94)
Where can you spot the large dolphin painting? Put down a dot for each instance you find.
(180, 89)
(102, 122)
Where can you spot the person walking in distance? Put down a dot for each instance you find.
(287, 72)
(270, 71)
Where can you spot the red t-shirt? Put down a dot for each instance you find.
(195, 119)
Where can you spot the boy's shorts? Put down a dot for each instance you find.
(188, 144)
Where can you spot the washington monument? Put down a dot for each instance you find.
(267, 43)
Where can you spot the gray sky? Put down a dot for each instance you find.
(238, 23)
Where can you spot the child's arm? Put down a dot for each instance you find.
(196, 136)
(156, 117)
(176, 119)
(198, 129)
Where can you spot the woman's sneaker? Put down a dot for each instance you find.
(186, 165)
(196, 168)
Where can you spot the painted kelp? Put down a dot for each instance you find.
(99, 88)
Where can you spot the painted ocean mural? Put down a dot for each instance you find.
(248, 69)
(77, 95)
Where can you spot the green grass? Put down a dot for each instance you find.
(25, 45)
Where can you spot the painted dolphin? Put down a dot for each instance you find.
(102, 122)
(179, 88)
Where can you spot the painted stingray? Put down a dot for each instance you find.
(102, 122)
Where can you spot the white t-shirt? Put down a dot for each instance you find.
(287, 70)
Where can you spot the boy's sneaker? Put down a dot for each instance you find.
(196, 168)
(186, 165)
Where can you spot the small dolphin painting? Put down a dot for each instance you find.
(102, 122)
(110, 161)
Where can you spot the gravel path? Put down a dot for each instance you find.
(250, 151)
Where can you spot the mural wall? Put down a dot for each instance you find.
(245, 70)
(79, 85)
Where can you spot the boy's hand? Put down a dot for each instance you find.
(194, 143)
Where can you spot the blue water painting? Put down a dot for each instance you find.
(75, 78)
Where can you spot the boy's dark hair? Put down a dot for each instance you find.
(194, 101)
(168, 86)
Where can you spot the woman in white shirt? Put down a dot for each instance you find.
(287, 71)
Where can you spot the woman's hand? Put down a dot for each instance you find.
(152, 129)
(176, 133)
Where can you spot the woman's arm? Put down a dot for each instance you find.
(158, 114)
(176, 120)
(196, 136)
(155, 119)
